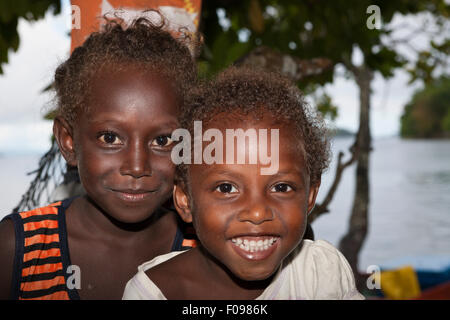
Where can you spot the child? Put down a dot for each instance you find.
(119, 96)
(250, 222)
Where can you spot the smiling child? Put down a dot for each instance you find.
(250, 224)
(119, 96)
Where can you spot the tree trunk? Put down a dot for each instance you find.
(350, 245)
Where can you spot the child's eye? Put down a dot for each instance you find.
(109, 138)
(226, 188)
(281, 187)
(162, 141)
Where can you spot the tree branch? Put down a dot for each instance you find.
(322, 208)
(296, 69)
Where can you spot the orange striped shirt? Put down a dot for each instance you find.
(42, 253)
(40, 256)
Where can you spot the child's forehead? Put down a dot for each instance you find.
(114, 94)
(119, 70)
(110, 81)
(250, 133)
(258, 120)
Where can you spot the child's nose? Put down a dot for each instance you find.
(137, 161)
(256, 212)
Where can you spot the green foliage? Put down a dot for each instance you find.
(307, 29)
(10, 13)
(428, 113)
(445, 124)
(310, 29)
(428, 60)
(325, 105)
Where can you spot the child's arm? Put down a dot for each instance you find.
(7, 248)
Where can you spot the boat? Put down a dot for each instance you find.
(419, 277)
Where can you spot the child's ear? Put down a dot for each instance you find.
(181, 202)
(64, 137)
(313, 191)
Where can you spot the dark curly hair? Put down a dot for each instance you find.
(244, 91)
(143, 43)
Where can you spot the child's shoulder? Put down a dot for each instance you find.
(319, 247)
(38, 218)
(161, 274)
(35, 244)
(318, 254)
(48, 209)
(325, 271)
(146, 266)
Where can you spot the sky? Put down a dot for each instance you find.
(45, 44)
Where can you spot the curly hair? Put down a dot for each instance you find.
(143, 43)
(245, 91)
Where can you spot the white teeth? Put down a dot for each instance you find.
(252, 245)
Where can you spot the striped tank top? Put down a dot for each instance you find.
(42, 261)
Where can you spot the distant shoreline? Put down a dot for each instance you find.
(342, 133)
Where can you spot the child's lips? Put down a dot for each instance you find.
(255, 247)
(133, 195)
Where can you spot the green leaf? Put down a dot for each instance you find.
(10, 13)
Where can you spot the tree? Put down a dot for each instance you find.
(428, 113)
(332, 31)
(10, 13)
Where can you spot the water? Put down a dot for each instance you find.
(14, 180)
(410, 198)
(409, 212)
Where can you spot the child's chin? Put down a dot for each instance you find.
(256, 275)
(137, 217)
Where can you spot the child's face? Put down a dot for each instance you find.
(121, 145)
(248, 221)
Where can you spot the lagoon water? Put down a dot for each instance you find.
(409, 213)
(409, 208)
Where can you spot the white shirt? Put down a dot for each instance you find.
(315, 270)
